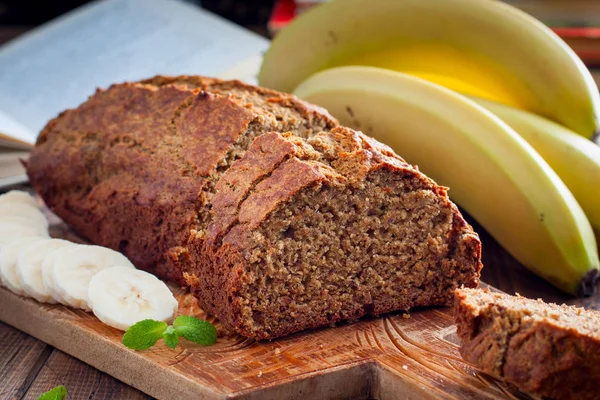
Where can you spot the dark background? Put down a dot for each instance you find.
(18, 16)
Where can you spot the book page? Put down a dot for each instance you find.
(11, 169)
(13, 134)
(59, 65)
(246, 70)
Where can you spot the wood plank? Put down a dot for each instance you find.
(21, 358)
(418, 354)
(81, 381)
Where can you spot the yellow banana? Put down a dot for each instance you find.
(575, 159)
(493, 172)
(484, 48)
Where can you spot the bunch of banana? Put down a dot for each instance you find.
(516, 152)
(575, 159)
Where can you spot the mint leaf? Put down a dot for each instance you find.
(171, 340)
(144, 334)
(195, 330)
(170, 337)
(58, 393)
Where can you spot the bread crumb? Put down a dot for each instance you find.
(197, 234)
(277, 351)
(405, 367)
(259, 374)
(406, 315)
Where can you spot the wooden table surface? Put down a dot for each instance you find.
(29, 367)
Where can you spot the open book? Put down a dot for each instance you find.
(60, 64)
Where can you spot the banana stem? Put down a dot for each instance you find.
(587, 285)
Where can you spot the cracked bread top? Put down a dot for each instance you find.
(277, 165)
(134, 167)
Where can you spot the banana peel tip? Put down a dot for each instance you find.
(587, 285)
(596, 137)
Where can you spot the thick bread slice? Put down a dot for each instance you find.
(545, 349)
(310, 232)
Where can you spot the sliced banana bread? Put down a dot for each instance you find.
(545, 349)
(276, 217)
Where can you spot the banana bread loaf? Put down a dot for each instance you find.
(277, 218)
(545, 349)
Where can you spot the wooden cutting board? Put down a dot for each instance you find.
(407, 356)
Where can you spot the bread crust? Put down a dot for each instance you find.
(136, 153)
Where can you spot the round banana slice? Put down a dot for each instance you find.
(9, 255)
(23, 212)
(122, 296)
(73, 268)
(29, 267)
(12, 230)
(18, 196)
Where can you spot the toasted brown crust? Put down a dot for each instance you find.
(93, 165)
(544, 349)
(160, 171)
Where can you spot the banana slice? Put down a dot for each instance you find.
(18, 196)
(23, 213)
(122, 296)
(74, 266)
(9, 255)
(29, 267)
(48, 277)
(12, 230)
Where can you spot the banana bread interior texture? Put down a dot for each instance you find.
(359, 238)
(276, 217)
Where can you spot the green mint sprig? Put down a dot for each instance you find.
(58, 393)
(144, 334)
